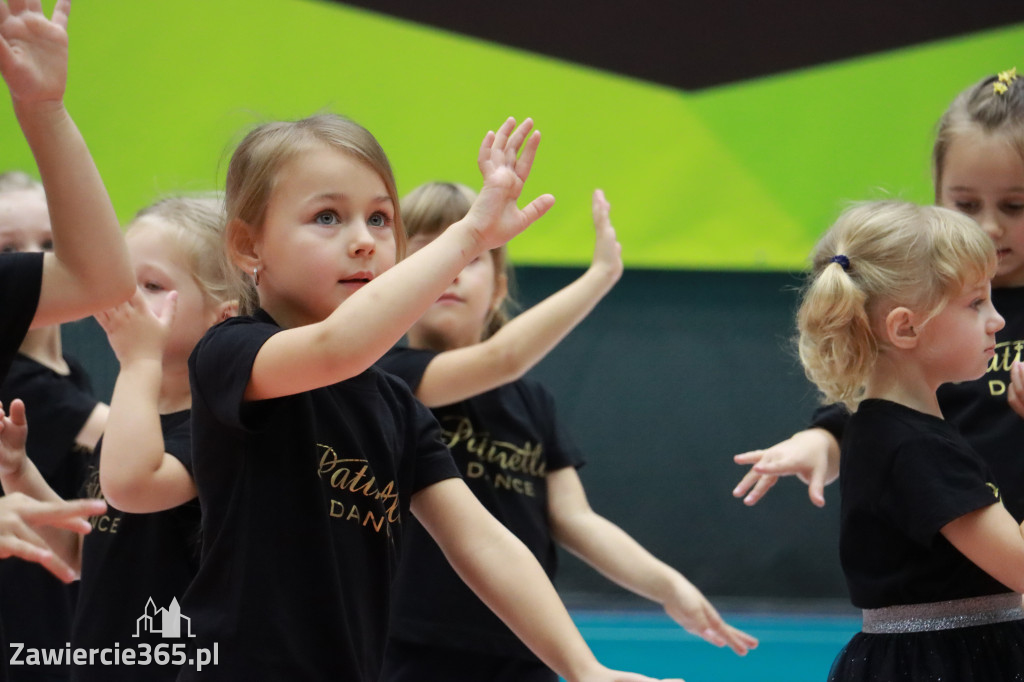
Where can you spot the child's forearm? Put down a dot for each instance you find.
(136, 473)
(515, 348)
(90, 269)
(364, 326)
(505, 575)
(616, 555)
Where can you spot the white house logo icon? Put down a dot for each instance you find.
(166, 622)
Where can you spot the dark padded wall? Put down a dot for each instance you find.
(671, 375)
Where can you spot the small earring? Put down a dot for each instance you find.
(256, 275)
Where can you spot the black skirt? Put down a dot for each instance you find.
(983, 653)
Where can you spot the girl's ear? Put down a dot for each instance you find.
(227, 309)
(241, 245)
(899, 328)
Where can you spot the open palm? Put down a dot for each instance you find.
(34, 50)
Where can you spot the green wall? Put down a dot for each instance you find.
(738, 177)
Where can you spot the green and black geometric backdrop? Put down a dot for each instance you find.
(727, 135)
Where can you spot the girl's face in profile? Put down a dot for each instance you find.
(984, 178)
(161, 267)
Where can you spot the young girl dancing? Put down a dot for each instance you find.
(465, 361)
(308, 460)
(68, 420)
(899, 303)
(978, 167)
(88, 269)
(143, 463)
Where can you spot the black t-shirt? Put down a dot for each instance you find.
(504, 442)
(21, 279)
(903, 476)
(58, 406)
(305, 499)
(978, 408)
(130, 559)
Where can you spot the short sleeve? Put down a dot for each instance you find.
(560, 450)
(221, 364)
(932, 482)
(832, 418)
(177, 438)
(434, 461)
(408, 364)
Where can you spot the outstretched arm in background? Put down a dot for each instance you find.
(89, 268)
(620, 558)
(506, 576)
(462, 373)
(136, 474)
(20, 477)
(812, 455)
(356, 334)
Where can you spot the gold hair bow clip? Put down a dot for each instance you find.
(1003, 81)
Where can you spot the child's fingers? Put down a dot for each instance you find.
(170, 309)
(34, 6)
(600, 208)
(4, 12)
(17, 413)
(538, 207)
(762, 485)
(60, 512)
(501, 137)
(484, 154)
(516, 140)
(61, 12)
(525, 162)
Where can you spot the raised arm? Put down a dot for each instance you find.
(89, 268)
(812, 455)
(462, 373)
(19, 475)
(136, 474)
(506, 576)
(620, 558)
(374, 318)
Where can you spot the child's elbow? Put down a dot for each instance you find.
(120, 492)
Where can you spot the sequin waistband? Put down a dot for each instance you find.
(944, 615)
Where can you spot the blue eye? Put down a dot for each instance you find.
(379, 220)
(326, 218)
(967, 207)
(152, 286)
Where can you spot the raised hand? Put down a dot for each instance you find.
(20, 514)
(607, 250)
(34, 50)
(134, 331)
(495, 215)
